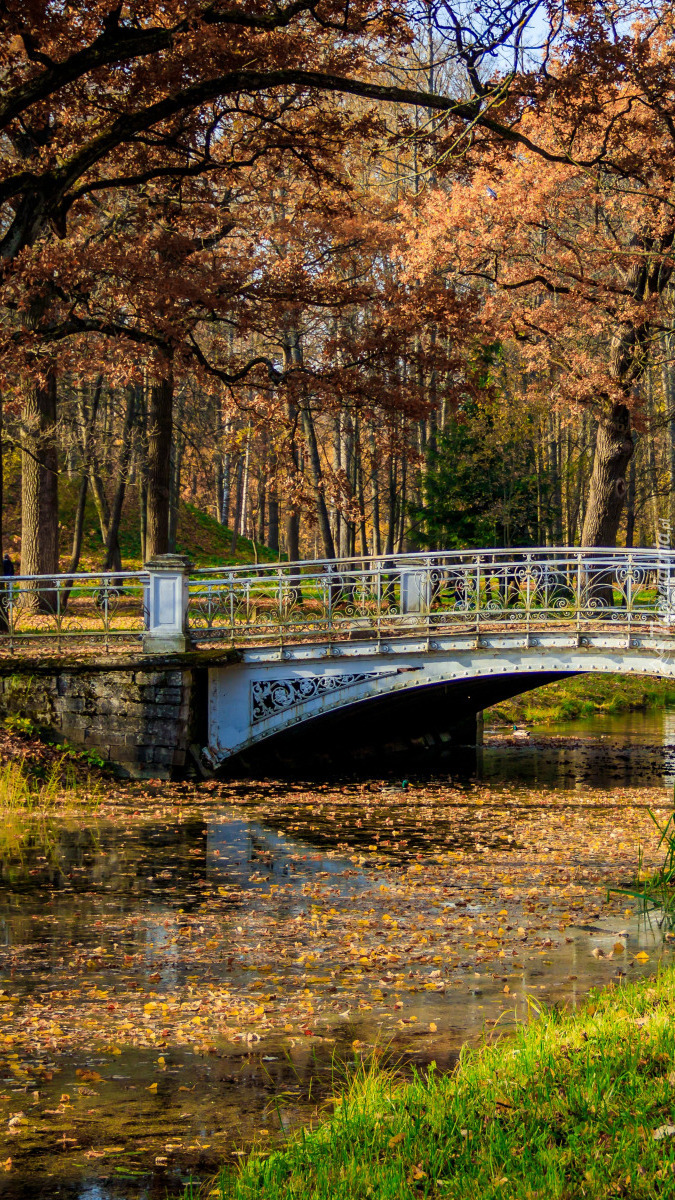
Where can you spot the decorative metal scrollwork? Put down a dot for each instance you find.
(271, 696)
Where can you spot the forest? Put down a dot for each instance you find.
(347, 277)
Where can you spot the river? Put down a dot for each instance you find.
(187, 970)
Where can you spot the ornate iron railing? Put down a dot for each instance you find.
(397, 594)
(371, 598)
(93, 609)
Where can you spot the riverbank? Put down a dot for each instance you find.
(579, 1105)
(584, 696)
(214, 949)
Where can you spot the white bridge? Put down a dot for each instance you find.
(397, 641)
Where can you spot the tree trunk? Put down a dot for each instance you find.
(292, 517)
(78, 529)
(628, 359)
(160, 434)
(613, 452)
(142, 469)
(236, 517)
(3, 607)
(227, 477)
(391, 506)
(375, 492)
(362, 504)
(630, 505)
(316, 479)
(39, 487)
(245, 485)
(176, 471)
(113, 557)
(293, 536)
(668, 379)
(273, 514)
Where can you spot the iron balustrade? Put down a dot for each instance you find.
(96, 609)
(371, 598)
(465, 590)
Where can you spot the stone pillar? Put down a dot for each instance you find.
(167, 629)
(415, 590)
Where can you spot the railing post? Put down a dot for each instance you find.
(167, 629)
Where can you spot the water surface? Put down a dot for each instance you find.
(180, 973)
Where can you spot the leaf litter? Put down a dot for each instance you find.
(179, 970)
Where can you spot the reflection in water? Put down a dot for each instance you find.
(631, 749)
(123, 942)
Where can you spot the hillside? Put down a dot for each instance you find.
(199, 534)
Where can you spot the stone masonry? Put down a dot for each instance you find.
(136, 718)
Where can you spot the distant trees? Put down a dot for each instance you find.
(569, 239)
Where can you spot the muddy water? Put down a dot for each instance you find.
(181, 971)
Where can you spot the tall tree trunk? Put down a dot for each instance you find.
(245, 485)
(78, 528)
(391, 506)
(402, 506)
(295, 354)
(613, 452)
(160, 435)
(227, 475)
(259, 534)
(273, 510)
(630, 504)
(292, 536)
(346, 455)
(236, 516)
(3, 607)
(142, 469)
(292, 517)
(668, 380)
(176, 469)
(113, 557)
(362, 503)
(39, 486)
(335, 514)
(375, 492)
(628, 360)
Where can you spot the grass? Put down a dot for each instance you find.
(576, 1105)
(584, 696)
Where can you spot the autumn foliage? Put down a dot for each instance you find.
(253, 255)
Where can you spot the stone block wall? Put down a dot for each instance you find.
(138, 719)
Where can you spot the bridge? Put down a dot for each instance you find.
(411, 642)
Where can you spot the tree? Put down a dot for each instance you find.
(574, 258)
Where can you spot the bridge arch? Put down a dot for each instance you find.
(272, 691)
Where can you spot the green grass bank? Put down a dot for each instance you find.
(578, 1105)
(584, 696)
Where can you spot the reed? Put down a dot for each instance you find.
(654, 891)
(23, 791)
